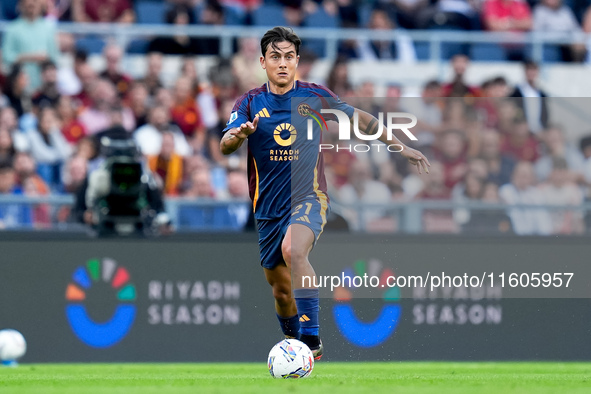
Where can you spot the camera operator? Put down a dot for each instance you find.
(121, 197)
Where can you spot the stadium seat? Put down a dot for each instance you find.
(9, 9)
(423, 50)
(269, 15)
(449, 49)
(550, 53)
(234, 16)
(319, 19)
(364, 14)
(488, 52)
(150, 12)
(138, 46)
(92, 45)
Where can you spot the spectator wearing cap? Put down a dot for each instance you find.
(29, 41)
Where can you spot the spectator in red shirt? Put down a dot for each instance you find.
(122, 82)
(457, 87)
(108, 11)
(507, 15)
(184, 111)
(71, 127)
(87, 78)
(452, 155)
(520, 143)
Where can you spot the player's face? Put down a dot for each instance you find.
(280, 62)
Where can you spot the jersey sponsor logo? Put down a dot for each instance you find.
(285, 127)
(263, 113)
(233, 117)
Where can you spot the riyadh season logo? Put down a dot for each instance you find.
(112, 282)
(355, 330)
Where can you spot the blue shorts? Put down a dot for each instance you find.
(310, 212)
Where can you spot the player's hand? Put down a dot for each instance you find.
(416, 158)
(246, 129)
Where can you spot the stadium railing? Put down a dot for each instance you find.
(188, 215)
(436, 39)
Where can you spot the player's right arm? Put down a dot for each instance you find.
(234, 138)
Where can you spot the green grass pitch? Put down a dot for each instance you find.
(327, 378)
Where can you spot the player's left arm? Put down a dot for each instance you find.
(370, 125)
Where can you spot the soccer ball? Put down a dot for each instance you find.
(290, 359)
(12, 346)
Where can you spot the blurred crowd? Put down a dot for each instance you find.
(563, 17)
(492, 143)
(489, 143)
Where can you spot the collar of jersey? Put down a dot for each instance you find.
(285, 95)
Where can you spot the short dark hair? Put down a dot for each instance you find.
(280, 34)
(530, 64)
(585, 142)
(47, 64)
(432, 84)
(6, 165)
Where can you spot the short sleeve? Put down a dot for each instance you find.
(332, 101)
(239, 113)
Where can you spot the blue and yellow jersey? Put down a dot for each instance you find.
(285, 166)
